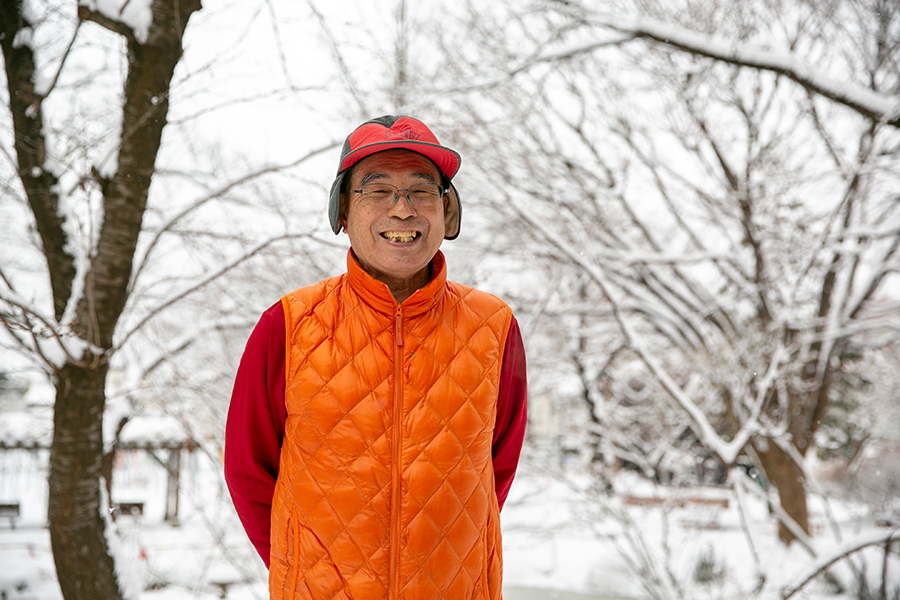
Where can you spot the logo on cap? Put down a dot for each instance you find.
(408, 134)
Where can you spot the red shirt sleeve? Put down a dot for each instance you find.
(256, 416)
(255, 428)
(512, 413)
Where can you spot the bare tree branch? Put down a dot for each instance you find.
(86, 14)
(726, 451)
(282, 59)
(844, 551)
(39, 183)
(218, 193)
(533, 61)
(782, 516)
(62, 62)
(874, 105)
(206, 280)
(49, 330)
(342, 64)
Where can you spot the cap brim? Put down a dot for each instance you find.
(447, 160)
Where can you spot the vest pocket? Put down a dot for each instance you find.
(293, 543)
(485, 575)
(283, 569)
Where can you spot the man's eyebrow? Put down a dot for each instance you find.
(378, 176)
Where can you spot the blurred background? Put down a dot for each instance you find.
(693, 208)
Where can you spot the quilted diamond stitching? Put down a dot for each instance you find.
(462, 352)
(451, 375)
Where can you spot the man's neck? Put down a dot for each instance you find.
(400, 288)
(403, 289)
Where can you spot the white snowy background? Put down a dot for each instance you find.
(265, 92)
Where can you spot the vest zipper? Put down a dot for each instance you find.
(395, 459)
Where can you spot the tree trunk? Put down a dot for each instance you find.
(78, 533)
(805, 416)
(787, 477)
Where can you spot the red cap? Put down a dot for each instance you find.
(392, 132)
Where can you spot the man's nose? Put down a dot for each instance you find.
(402, 209)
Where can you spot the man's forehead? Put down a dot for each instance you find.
(393, 161)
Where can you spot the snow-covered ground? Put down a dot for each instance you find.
(560, 541)
(645, 541)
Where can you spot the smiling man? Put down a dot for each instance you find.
(377, 416)
(395, 240)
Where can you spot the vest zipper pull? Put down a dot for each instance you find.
(398, 330)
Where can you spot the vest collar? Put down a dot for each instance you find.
(377, 294)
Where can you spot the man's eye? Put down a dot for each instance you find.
(379, 192)
(424, 192)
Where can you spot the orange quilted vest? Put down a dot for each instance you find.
(386, 486)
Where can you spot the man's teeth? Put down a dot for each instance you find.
(400, 236)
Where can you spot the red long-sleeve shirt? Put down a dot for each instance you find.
(256, 417)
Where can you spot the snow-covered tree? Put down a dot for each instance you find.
(89, 267)
(122, 215)
(732, 203)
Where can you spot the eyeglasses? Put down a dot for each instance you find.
(422, 195)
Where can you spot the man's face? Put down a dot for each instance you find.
(380, 235)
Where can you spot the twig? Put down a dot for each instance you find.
(726, 451)
(279, 44)
(45, 93)
(534, 61)
(786, 520)
(823, 565)
(867, 102)
(216, 194)
(737, 482)
(86, 14)
(342, 66)
(48, 325)
(212, 277)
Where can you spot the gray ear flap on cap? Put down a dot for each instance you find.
(334, 203)
(453, 216)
